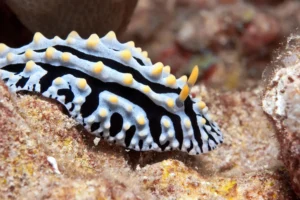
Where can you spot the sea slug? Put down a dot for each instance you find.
(114, 91)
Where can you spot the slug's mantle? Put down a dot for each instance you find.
(114, 91)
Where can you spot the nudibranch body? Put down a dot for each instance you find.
(114, 91)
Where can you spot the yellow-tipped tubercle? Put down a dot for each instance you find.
(157, 69)
(93, 41)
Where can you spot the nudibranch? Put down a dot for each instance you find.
(114, 91)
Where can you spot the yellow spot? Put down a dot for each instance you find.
(139, 49)
(166, 123)
(194, 76)
(184, 93)
(113, 99)
(125, 55)
(140, 120)
(130, 44)
(73, 34)
(148, 60)
(142, 133)
(29, 54)
(146, 89)
(49, 53)
(187, 123)
(171, 134)
(79, 100)
(128, 79)
(56, 39)
(58, 81)
(129, 108)
(70, 40)
(66, 56)
(145, 54)
(93, 41)
(3, 47)
(91, 119)
(102, 113)
(170, 103)
(111, 35)
(201, 105)
(29, 66)
(202, 121)
(98, 67)
(167, 69)
(183, 78)
(171, 80)
(10, 57)
(81, 83)
(126, 126)
(37, 37)
(157, 69)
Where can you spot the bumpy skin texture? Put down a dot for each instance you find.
(114, 91)
(281, 102)
(58, 17)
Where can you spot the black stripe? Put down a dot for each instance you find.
(153, 111)
(69, 96)
(188, 108)
(95, 126)
(22, 82)
(116, 122)
(156, 87)
(129, 134)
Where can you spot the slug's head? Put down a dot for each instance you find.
(200, 133)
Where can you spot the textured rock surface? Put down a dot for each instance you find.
(282, 103)
(58, 17)
(32, 129)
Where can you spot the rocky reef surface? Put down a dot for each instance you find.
(45, 155)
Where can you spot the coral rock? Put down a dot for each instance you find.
(281, 102)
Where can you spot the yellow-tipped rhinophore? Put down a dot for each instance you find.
(37, 37)
(157, 69)
(194, 76)
(93, 41)
(125, 55)
(183, 95)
